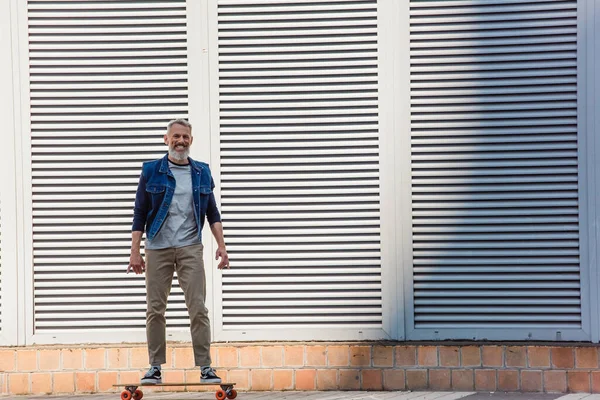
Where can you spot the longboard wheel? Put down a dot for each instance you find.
(138, 394)
(220, 394)
(232, 394)
(125, 395)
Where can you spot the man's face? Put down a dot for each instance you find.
(179, 138)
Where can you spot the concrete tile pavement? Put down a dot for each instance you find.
(329, 395)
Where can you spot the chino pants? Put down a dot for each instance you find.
(189, 265)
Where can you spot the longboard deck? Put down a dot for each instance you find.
(177, 384)
(133, 391)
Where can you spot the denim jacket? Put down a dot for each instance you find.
(155, 192)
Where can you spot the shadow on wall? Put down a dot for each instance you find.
(495, 171)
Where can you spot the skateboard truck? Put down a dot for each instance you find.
(131, 392)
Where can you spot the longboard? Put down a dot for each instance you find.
(132, 392)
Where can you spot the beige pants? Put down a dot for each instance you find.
(189, 265)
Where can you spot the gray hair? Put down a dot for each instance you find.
(179, 121)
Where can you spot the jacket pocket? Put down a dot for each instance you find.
(205, 190)
(155, 189)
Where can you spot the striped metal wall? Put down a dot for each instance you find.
(299, 162)
(105, 79)
(495, 164)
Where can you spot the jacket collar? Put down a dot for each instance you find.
(164, 164)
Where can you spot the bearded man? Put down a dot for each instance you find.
(174, 196)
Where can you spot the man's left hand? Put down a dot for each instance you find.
(221, 252)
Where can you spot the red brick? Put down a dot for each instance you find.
(106, 380)
(261, 379)
(578, 381)
(462, 379)
(586, 357)
(184, 358)
(64, 382)
(18, 383)
(394, 379)
(449, 356)
(130, 376)
(531, 381)
(95, 359)
(193, 375)
(439, 379)
(7, 360)
(595, 381)
(427, 356)
(306, 379)
(316, 356)
(227, 357)
(223, 373)
(139, 357)
(470, 356)
(349, 379)
(492, 356)
(72, 359)
(50, 360)
(272, 356)
(85, 382)
(360, 356)
(118, 358)
(338, 356)
(241, 377)
(516, 356)
(406, 356)
(26, 360)
(508, 380)
(555, 381)
(327, 379)
(538, 357)
(212, 353)
(174, 376)
(293, 356)
(41, 383)
(383, 356)
(170, 357)
(416, 379)
(250, 356)
(485, 379)
(372, 379)
(283, 379)
(562, 357)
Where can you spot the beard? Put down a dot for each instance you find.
(178, 155)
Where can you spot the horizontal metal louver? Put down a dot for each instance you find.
(105, 78)
(299, 164)
(494, 164)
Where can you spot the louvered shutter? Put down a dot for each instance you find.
(495, 168)
(105, 78)
(299, 168)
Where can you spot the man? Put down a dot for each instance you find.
(174, 195)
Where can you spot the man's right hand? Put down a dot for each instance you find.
(136, 263)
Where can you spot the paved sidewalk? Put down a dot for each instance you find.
(329, 396)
